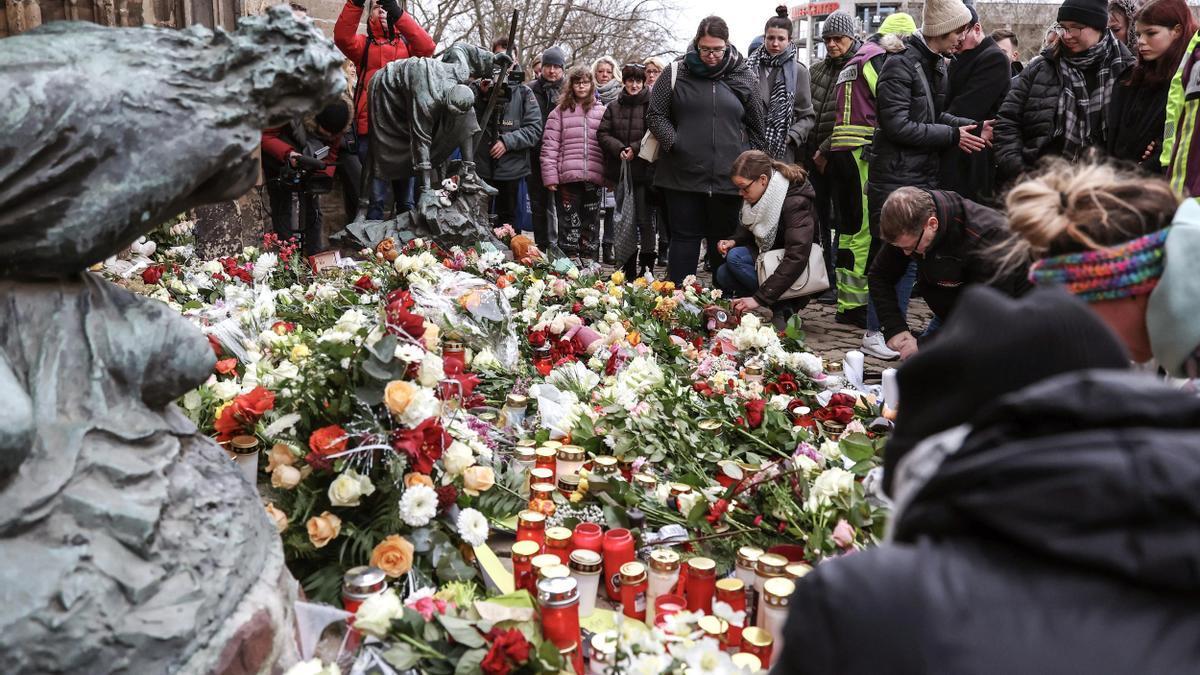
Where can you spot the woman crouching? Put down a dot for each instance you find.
(777, 213)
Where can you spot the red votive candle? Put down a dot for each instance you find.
(587, 536)
(617, 550)
(701, 584)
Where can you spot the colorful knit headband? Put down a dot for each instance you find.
(1124, 271)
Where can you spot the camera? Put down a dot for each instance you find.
(308, 175)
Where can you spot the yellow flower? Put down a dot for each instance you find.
(220, 409)
(618, 277)
(576, 497)
(633, 338)
(639, 282)
(301, 352)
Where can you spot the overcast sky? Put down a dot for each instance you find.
(745, 19)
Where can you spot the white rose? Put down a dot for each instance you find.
(349, 488)
(374, 616)
(424, 404)
(780, 401)
(226, 389)
(831, 483)
(432, 370)
(458, 458)
(831, 450)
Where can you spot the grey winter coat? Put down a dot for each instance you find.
(824, 100)
(914, 127)
(520, 130)
(702, 125)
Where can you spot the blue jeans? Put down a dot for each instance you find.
(379, 189)
(738, 277)
(903, 293)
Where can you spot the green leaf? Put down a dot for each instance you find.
(385, 348)
(401, 656)
(470, 661)
(857, 447)
(697, 513)
(421, 539)
(376, 370)
(463, 631)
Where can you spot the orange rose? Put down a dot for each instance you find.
(323, 529)
(328, 440)
(397, 395)
(279, 518)
(413, 478)
(478, 479)
(393, 555)
(280, 455)
(521, 245)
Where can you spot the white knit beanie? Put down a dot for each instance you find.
(944, 16)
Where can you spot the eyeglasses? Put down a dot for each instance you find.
(909, 250)
(1073, 32)
(711, 51)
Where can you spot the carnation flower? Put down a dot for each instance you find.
(473, 527)
(418, 505)
(425, 603)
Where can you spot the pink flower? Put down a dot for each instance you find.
(843, 534)
(423, 603)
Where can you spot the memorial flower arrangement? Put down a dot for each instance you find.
(372, 389)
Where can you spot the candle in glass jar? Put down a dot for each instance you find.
(797, 571)
(531, 526)
(753, 372)
(558, 542)
(523, 461)
(569, 461)
(666, 605)
(541, 360)
(585, 568)
(625, 464)
(541, 562)
(523, 553)
(633, 590)
(715, 628)
(541, 475)
(777, 593)
(588, 536)
(618, 550)
(360, 583)
(245, 454)
(758, 642)
(701, 584)
(558, 602)
(453, 351)
(553, 572)
(769, 566)
(568, 485)
(744, 569)
(512, 415)
(732, 592)
(541, 498)
(747, 662)
(645, 481)
(604, 652)
(664, 576)
(546, 458)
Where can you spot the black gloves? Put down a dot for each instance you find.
(501, 60)
(392, 8)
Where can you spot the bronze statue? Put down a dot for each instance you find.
(132, 543)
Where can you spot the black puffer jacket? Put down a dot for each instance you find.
(1025, 129)
(703, 123)
(1062, 536)
(914, 127)
(824, 82)
(623, 126)
(546, 94)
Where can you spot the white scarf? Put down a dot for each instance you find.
(762, 219)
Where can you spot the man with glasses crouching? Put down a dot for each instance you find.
(954, 242)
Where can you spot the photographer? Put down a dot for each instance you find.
(515, 128)
(291, 155)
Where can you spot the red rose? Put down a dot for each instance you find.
(400, 319)
(153, 273)
(241, 415)
(364, 283)
(423, 445)
(324, 442)
(509, 649)
(226, 366)
(537, 338)
(754, 412)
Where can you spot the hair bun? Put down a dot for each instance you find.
(781, 11)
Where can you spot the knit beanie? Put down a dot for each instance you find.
(1091, 13)
(554, 57)
(334, 117)
(1171, 316)
(839, 23)
(944, 16)
(994, 345)
(898, 23)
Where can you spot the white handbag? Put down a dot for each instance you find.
(814, 278)
(649, 147)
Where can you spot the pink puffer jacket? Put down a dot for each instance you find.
(571, 153)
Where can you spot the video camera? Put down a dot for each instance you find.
(308, 175)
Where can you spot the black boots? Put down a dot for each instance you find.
(608, 254)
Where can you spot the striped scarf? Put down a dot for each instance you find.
(1076, 105)
(779, 105)
(1123, 271)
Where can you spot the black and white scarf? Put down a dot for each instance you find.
(779, 105)
(1076, 105)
